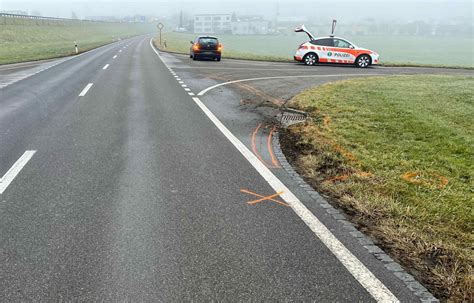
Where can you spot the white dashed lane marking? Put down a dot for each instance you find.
(86, 89)
(15, 170)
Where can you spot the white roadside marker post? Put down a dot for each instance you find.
(75, 46)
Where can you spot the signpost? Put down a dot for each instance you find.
(160, 27)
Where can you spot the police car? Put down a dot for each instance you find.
(333, 50)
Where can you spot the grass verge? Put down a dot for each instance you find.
(21, 43)
(397, 154)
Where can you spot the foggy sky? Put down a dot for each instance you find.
(348, 10)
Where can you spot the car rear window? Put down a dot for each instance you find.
(323, 42)
(212, 41)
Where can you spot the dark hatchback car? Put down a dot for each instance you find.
(205, 47)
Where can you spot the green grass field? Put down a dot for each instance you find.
(398, 153)
(444, 51)
(19, 43)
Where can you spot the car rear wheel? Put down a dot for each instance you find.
(310, 59)
(363, 61)
(218, 58)
(195, 57)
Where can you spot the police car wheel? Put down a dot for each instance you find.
(310, 59)
(363, 61)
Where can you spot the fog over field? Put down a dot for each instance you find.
(403, 31)
(403, 10)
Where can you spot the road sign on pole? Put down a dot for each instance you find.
(160, 26)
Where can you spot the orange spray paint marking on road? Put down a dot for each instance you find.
(254, 144)
(270, 149)
(264, 198)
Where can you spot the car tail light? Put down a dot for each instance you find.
(196, 47)
(219, 47)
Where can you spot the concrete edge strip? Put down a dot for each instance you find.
(355, 267)
(414, 286)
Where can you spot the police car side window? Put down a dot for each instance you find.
(323, 42)
(341, 43)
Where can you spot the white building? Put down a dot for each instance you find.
(212, 23)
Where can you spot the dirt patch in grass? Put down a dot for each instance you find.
(397, 154)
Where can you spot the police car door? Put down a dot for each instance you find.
(323, 47)
(342, 51)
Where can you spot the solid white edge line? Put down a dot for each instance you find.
(201, 93)
(15, 170)
(86, 89)
(358, 270)
(106, 66)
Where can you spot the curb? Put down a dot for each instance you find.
(414, 286)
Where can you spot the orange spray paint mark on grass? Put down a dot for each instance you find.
(417, 178)
(326, 121)
(365, 175)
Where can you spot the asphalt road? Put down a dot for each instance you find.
(134, 194)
